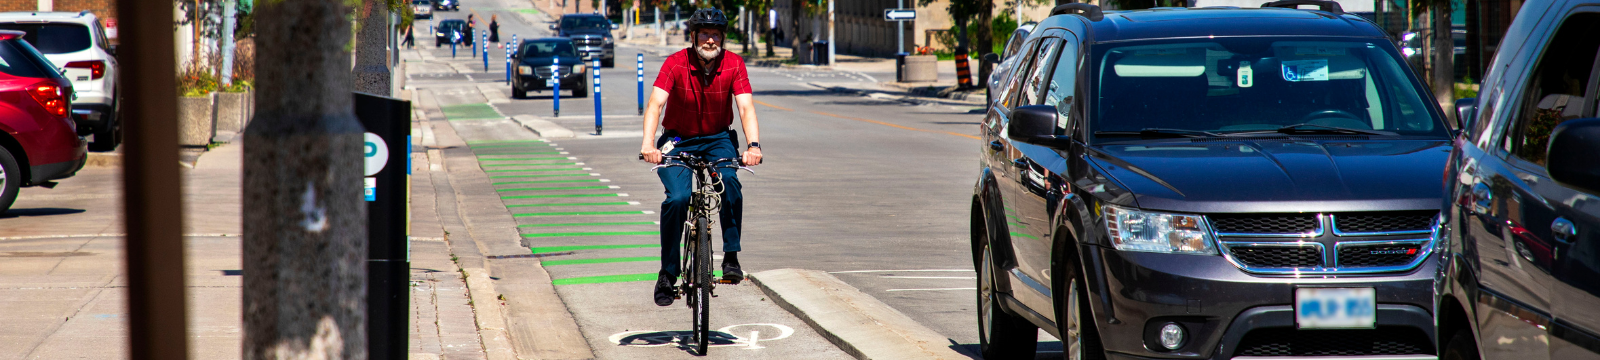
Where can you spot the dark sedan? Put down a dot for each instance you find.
(452, 31)
(537, 68)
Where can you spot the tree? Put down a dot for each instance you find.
(979, 11)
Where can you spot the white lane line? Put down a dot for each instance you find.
(931, 277)
(940, 289)
(873, 271)
(622, 194)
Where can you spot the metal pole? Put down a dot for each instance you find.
(152, 188)
(831, 47)
(555, 73)
(598, 124)
(900, 30)
(641, 84)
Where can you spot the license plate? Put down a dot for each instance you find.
(550, 82)
(1335, 308)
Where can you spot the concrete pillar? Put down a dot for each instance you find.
(47, 5)
(305, 231)
(372, 72)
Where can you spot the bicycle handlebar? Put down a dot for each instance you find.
(692, 161)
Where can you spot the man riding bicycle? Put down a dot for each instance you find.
(698, 87)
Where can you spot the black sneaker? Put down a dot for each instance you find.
(664, 291)
(730, 268)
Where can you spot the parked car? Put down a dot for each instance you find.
(38, 139)
(1002, 62)
(452, 31)
(451, 5)
(422, 8)
(592, 34)
(1143, 194)
(76, 43)
(537, 69)
(1521, 273)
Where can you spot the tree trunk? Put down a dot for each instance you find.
(795, 14)
(305, 231)
(985, 40)
(1443, 74)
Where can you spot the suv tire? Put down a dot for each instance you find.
(518, 93)
(108, 138)
(1000, 335)
(608, 63)
(10, 179)
(1080, 339)
(1460, 347)
(582, 90)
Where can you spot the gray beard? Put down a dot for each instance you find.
(708, 54)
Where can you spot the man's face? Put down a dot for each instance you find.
(708, 43)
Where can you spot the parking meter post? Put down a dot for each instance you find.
(641, 84)
(555, 90)
(597, 122)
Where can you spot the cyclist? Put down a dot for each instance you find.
(699, 86)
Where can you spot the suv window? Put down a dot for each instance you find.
(584, 23)
(1555, 90)
(1022, 66)
(1063, 83)
(1035, 80)
(1258, 83)
(17, 58)
(53, 38)
(548, 49)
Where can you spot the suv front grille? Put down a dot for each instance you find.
(1378, 254)
(1257, 256)
(1385, 340)
(588, 41)
(544, 71)
(1264, 223)
(1388, 221)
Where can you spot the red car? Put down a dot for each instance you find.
(38, 140)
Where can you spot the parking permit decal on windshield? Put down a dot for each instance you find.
(1246, 75)
(1305, 70)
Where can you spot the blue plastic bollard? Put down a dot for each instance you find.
(508, 65)
(641, 84)
(555, 72)
(597, 122)
(485, 52)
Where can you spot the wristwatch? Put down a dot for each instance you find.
(754, 145)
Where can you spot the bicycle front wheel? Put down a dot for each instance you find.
(702, 307)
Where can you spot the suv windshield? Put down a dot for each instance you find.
(1234, 85)
(584, 23)
(543, 49)
(53, 38)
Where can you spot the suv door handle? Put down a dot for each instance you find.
(1563, 230)
(1481, 198)
(997, 146)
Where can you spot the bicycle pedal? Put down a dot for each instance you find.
(726, 281)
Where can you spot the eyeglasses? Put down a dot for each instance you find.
(708, 36)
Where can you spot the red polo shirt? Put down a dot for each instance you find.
(699, 104)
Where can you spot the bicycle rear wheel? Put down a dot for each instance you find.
(702, 274)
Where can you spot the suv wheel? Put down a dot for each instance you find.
(1000, 335)
(609, 63)
(1080, 338)
(1460, 347)
(108, 138)
(518, 93)
(10, 179)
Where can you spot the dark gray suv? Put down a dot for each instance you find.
(592, 34)
(1520, 277)
(1209, 184)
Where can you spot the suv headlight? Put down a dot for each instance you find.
(524, 69)
(577, 68)
(1148, 231)
(608, 40)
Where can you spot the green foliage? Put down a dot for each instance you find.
(1002, 26)
(238, 85)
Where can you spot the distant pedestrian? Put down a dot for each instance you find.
(494, 28)
(411, 39)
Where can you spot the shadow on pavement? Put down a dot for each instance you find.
(679, 339)
(1046, 350)
(15, 213)
(795, 93)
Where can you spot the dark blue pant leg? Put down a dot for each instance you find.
(674, 210)
(732, 213)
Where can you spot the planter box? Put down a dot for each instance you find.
(196, 120)
(230, 112)
(922, 68)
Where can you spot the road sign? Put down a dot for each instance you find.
(899, 14)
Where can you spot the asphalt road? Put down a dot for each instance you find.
(875, 191)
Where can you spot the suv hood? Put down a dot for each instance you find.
(1280, 175)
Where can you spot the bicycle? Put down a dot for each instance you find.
(703, 204)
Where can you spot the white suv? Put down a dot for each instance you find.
(76, 43)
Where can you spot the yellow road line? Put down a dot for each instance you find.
(773, 106)
(894, 125)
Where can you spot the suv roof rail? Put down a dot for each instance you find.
(1090, 11)
(1324, 5)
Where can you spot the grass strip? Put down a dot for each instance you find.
(594, 233)
(623, 223)
(578, 213)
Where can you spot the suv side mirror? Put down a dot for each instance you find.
(553, 27)
(1033, 124)
(992, 58)
(1573, 145)
(1465, 110)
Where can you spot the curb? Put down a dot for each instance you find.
(544, 128)
(856, 322)
(489, 312)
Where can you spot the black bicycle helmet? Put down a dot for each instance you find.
(708, 18)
